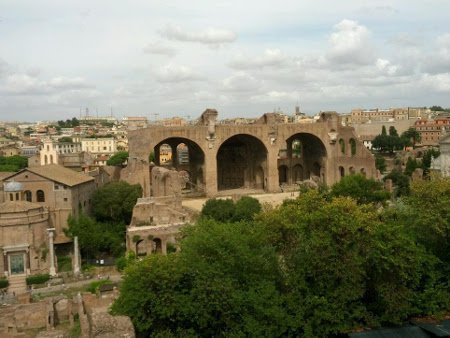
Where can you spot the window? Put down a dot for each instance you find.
(40, 196)
(28, 195)
(65, 199)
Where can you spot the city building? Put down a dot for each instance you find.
(430, 130)
(51, 151)
(61, 190)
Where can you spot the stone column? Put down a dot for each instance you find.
(164, 246)
(51, 251)
(210, 172)
(76, 256)
(272, 169)
(5, 264)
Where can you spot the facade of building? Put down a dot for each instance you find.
(99, 146)
(135, 122)
(61, 190)
(52, 150)
(431, 130)
(26, 238)
(227, 156)
(387, 115)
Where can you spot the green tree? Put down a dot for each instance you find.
(221, 210)
(411, 136)
(426, 160)
(246, 208)
(436, 108)
(411, 165)
(400, 182)
(13, 163)
(380, 163)
(114, 202)
(66, 139)
(430, 215)
(95, 237)
(383, 131)
(118, 159)
(362, 189)
(393, 131)
(224, 282)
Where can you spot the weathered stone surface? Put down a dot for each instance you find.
(53, 334)
(103, 325)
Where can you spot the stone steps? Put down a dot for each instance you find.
(17, 284)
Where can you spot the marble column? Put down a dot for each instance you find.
(76, 256)
(51, 251)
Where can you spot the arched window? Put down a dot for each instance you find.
(40, 196)
(342, 145)
(352, 146)
(342, 171)
(28, 195)
(51, 159)
(45, 159)
(17, 196)
(351, 170)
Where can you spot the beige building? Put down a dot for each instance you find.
(387, 115)
(99, 147)
(259, 157)
(26, 245)
(431, 130)
(51, 151)
(61, 190)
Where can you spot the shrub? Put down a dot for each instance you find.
(64, 263)
(38, 279)
(4, 283)
(95, 286)
(219, 210)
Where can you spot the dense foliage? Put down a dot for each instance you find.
(104, 233)
(118, 159)
(13, 163)
(313, 267)
(114, 202)
(37, 279)
(225, 210)
(96, 237)
(362, 189)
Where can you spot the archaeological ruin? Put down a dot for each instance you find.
(264, 156)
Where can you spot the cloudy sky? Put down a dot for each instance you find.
(244, 58)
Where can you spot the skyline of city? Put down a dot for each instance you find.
(243, 59)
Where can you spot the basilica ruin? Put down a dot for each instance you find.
(264, 156)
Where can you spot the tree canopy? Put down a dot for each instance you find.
(225, 210)
(13, 163)
(312, 267)
(114, 202)
(362, 189)
(118, 159)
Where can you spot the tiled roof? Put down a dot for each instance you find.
(60, 174)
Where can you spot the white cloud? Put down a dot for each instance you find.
(24, 84)
(438, 82)
(159, 47)
(68, 83)
(270, 58)
(276, 97)
(350, 44)
(241, 82)
(174, 74)
(209, 36)
(439, 60)
(386, 67)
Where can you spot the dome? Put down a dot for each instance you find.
(13, 186)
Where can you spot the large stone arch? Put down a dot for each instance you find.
(241, 163)
(306, 158)
(193, 162)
